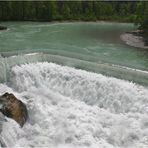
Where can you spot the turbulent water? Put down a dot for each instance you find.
(70, 107)
(76, 108)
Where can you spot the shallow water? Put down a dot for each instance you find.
(71, 107)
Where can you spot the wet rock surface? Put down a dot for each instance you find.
(13, 108)
(3, 28)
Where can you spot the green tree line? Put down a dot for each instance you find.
(125, 11)
(66, 10)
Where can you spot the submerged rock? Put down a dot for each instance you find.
(13, 108)
(3, 28)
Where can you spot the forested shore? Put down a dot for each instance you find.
(67, 10)
(121, 11)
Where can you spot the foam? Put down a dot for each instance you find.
(75, 108)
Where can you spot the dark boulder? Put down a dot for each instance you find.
(13, 108)
(3, 28)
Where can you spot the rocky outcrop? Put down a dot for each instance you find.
(3, 28)
(13, 108)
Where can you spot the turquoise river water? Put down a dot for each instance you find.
(82, 85)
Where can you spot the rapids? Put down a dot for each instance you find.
(72, 108)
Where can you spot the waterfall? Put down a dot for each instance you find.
(134, 75)
(76, 86)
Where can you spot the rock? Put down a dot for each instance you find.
(134, 40)
(13, 108)
(3, 28)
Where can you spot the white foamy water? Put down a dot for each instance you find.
(74, 108)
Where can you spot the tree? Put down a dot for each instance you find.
(66, 13)
(142, 15)
(72, 10)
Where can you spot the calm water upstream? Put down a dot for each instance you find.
(97, 42)
(61, 71)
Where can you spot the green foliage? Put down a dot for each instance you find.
(142, 15)
(66, 13)
(68, 10)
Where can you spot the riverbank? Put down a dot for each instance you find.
(135, 39)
